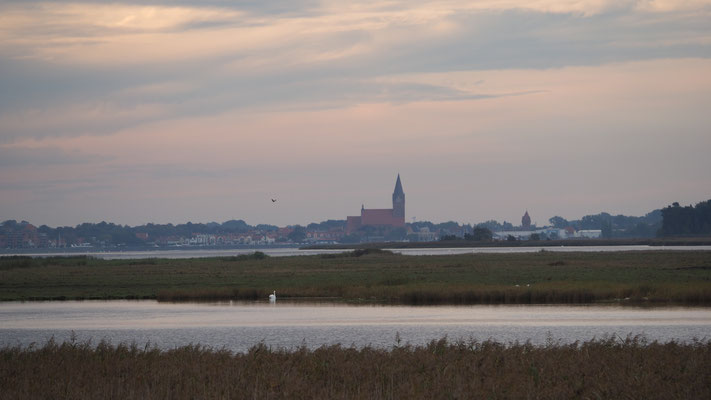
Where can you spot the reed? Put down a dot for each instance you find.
(606, 368)
(368, 275)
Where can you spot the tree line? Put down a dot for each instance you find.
(687, 221)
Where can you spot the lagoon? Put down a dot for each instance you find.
(237, 326)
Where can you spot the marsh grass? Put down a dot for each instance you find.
(368, 275)
(610, 368)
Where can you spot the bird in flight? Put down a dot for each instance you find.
(273, 200)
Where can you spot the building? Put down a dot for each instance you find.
(381, 217)
(526, 221)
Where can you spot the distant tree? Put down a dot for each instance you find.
(235, 226)
(446, 238)
(449, 228)
(266, 228)
(449, 225)
(9, 224)
(535, 236)
(606, 228)
(298, 234)
(327, 225)
(642, 230)
(653, 217)
(482, 234)
(492, 225)
(510, 238)
(559, 222)
(689, 220)
(594, 221)
(416, 226)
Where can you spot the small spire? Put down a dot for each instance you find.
(398, 187)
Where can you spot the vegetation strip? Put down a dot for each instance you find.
(371, 275)
(608, 368)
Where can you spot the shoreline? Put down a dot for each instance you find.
(653, 242)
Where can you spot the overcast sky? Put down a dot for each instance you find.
(205, 110)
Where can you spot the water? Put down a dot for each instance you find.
(283, 252)
(239, 326)
(536, 249)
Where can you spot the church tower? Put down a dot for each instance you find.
(526, 221)
(398, 200)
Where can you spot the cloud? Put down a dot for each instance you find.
(45, 156)
(92, 68)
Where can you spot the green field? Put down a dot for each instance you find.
(373, 276)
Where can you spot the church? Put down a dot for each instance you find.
(381, 217)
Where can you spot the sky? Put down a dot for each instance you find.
(173, 111)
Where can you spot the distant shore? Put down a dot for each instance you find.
(682, 241)
(88, 250)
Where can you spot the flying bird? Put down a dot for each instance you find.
(273, 200)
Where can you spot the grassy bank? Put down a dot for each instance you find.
(611, 369)
(370, 275)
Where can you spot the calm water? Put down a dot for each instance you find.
(282, 252)
(238, 326)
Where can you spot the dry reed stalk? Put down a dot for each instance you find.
(608, 368)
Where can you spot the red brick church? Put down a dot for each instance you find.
(383, 217)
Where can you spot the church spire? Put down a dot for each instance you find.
(526, 220)
(398, 187)
(398, 200)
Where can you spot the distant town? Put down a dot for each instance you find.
(372, 225)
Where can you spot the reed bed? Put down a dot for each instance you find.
(366, 275)
(610, 368)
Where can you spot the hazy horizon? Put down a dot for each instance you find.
(177, 111)
(255, 223)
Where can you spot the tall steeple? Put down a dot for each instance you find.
(398, 200)
(526, 220)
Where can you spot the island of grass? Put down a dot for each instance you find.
(371, 275)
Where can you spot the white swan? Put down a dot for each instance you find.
(272, 297)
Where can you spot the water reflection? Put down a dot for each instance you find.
(286, 252)
(238, 326)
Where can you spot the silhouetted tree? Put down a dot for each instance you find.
(689, 220)
(559, 222)
(482, 234)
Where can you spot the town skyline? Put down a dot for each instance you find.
(373, 225)
(407, 218)
(537, 220)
